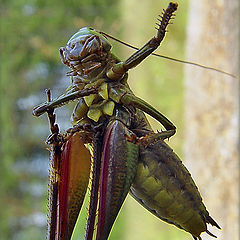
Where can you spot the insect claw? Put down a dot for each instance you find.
(209, 233)
(48, 93)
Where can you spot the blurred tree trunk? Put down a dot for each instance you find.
(211, 117)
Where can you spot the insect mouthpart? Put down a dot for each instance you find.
(85, 50)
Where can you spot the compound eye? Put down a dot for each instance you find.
(76, 50)
(106, 46)
(94, 45)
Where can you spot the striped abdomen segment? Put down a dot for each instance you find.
(164, 186)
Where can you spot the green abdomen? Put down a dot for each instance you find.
(164, 186)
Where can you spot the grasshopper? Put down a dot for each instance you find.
(112, 141)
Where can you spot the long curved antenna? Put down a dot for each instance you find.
(169, 58)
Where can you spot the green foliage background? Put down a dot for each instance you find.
(31, 33)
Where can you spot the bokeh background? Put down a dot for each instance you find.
(32, 31)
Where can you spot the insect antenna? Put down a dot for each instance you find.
(170, 58)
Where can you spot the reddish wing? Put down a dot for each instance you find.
(119, 163)
(73, 178)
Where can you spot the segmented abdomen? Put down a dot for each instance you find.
(164, 186)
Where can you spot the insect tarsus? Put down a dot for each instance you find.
(164, 20)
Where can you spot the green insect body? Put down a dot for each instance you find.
(131, 157)
(164, 186)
